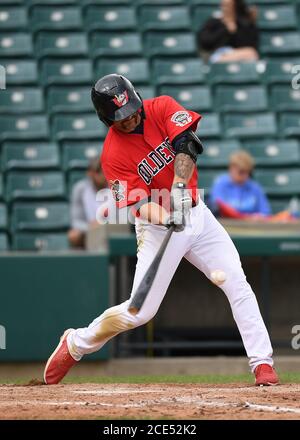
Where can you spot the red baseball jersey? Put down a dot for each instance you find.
(136, 164)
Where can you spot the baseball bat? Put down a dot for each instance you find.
(147, 281)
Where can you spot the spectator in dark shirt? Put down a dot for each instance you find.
(232, 37)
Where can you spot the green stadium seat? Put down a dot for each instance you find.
(78, 154)
(284, 98)
(177, 71)
(206, 179)
(216, 153)
(15, 45)
(69, 99)
(85, 3)
(146, 92)
(1, 187)
(21, 100)
(202, 12)
(280, 43)
(280, 71)
(34, 185)
(13, 18)
(279, 183)
(73, 177)
(110, 17)
(51, 18)
(114, 44)
(240, 98)
(66, 72)
(209, 126)
(136, 70)
(3, 242)
(169, 43)
(40, 242)
(159, 2)
(20, 72)
(265, 2)
(40, 216)
(197, 98)
(23, 127)
(61, 44)
(289, 124)
(3, 217)
(274, 152)
(85, 126)
(279, 204)
(204, 2)
(30, 155)
(50, 2)
(12, 2)
(271, 17)
(164, 17)
(235, 73)
(250, 125)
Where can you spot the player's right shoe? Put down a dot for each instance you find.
(265, 375)
(60, 362)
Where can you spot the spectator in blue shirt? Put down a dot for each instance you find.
(237, 188)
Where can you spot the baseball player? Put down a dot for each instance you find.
(149, 159)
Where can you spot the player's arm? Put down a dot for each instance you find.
(153, 213)
(187, 146)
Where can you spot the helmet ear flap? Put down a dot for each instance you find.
(105, 121)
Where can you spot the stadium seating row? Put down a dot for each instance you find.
(127, 17)
(153, 43)
(179, 71)
(223, 98)
(87, 127)
(51, 185)
(26, 155)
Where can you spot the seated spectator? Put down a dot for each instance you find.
(84, 205)
(238, 190)
(232, 37)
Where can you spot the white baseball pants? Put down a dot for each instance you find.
(207, 245)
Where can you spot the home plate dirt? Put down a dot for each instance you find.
(154, 401)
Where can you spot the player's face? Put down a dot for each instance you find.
(128, 124)
(239, 174)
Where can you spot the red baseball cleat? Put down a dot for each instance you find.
(60, 362)
(265, 375)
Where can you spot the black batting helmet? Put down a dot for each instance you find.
(115, 98)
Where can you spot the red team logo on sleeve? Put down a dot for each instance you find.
(121, 99)
(181, 118)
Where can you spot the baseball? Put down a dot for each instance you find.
(218, 277)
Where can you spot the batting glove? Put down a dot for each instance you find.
(180, 198)
(176, 219)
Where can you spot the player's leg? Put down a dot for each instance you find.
(118, 319)
(214, 249)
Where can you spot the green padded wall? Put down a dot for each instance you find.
(42, 295)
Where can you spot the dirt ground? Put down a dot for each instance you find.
(154, 401)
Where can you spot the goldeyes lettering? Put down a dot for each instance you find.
(155, 161)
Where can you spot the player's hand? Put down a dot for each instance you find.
(175, 219)
(181, 200)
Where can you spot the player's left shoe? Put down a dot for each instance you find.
(265, 375)
(60, 362)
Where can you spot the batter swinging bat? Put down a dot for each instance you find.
(146, 283)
